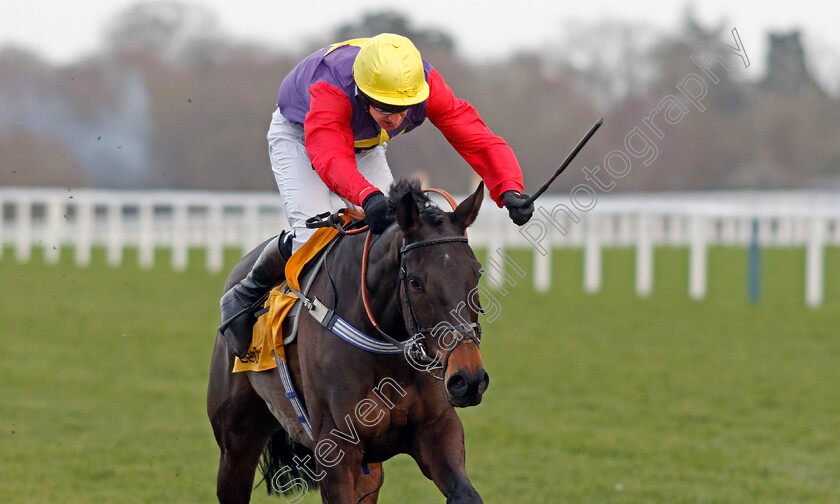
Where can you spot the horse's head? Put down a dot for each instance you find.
(438, 289)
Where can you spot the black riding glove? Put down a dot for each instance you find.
(376, 212)
(515, 202)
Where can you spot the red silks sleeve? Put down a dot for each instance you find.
(488, 154)
(329, 143)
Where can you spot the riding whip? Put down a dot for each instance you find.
(566, 162)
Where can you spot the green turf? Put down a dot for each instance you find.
(593, 398)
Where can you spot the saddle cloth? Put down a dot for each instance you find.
(267, 337)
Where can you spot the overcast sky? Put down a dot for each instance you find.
(65, 30)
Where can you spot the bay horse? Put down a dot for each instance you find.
(365, 407)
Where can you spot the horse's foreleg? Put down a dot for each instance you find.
(338, 484)
(345, 483)
(440, 453)
(368, 485)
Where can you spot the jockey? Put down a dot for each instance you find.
(335, 112)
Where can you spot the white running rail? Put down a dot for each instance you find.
(76, 221)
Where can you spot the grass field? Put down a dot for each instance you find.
(604, 398)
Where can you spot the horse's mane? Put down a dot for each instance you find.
(429, 212)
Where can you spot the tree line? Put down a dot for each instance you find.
(172, 103)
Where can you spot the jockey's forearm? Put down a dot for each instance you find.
(487, 153)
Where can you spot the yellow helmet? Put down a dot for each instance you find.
(389, 69)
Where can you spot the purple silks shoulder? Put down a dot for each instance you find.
(336, 68)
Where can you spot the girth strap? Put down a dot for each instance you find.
(289, 387)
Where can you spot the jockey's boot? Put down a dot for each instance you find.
(238, 304)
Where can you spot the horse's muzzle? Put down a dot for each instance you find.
(466, 388)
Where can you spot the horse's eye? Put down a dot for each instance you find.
(415, 283)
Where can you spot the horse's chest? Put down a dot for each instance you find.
(399, 417)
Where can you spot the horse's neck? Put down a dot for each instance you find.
(382, 280)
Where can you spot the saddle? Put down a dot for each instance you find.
(282, 306)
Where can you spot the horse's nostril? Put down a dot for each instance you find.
(485, 382)
(457, 385)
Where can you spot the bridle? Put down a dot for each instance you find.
(414, 348)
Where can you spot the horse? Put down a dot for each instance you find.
(364, 407)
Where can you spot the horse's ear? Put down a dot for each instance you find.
(467, 211)
(408, 214)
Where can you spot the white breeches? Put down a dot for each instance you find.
(304, 193)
